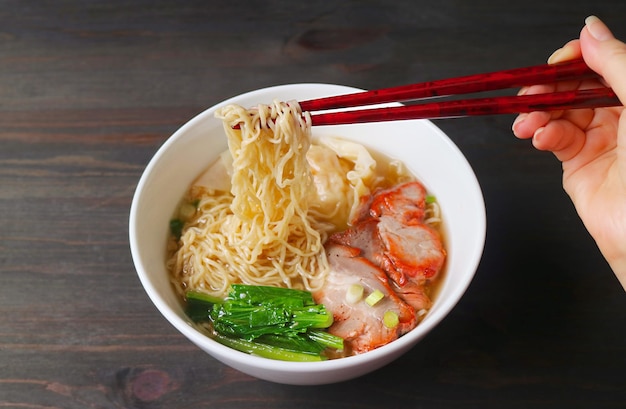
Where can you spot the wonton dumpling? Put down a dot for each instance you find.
(331, 194)
(340, 172)
(218, 175)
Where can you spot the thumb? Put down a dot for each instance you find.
(604, 54)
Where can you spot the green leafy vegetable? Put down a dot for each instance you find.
(200, 305)
(325, 338)
(266, 320)
(299, 343)
(266, 351)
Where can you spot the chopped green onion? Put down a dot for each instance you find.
(187, 211)
(176, 227)
(430, 199)
(390, 319)
(374, 298)
(354, 293)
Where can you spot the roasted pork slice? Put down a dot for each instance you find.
(363, 326)
(413, 252)
(394, 237)
(363, 236)
(414, 294)
(405, 202)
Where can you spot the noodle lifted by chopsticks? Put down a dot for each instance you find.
(260, 232)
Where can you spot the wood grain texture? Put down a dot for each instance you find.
(88, 92)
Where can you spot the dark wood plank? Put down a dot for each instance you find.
(90, 90)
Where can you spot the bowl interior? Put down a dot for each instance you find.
(423, 147)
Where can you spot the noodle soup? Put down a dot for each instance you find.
(426, 151)
(273, 208)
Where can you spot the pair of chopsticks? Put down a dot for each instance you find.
(518, 77)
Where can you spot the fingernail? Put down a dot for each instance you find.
(555, 55)
(520, 118)
(522, 91)
(598, 29)
(538, 131)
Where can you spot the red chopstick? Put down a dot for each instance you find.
(517, 77)
(590, 98)
(540, 74)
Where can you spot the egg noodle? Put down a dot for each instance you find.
(260, 232)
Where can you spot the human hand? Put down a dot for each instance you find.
(590, 143)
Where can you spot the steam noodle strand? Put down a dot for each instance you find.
(261, 231)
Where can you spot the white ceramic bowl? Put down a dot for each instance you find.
(425, 149)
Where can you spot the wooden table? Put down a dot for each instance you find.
(89, 91)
